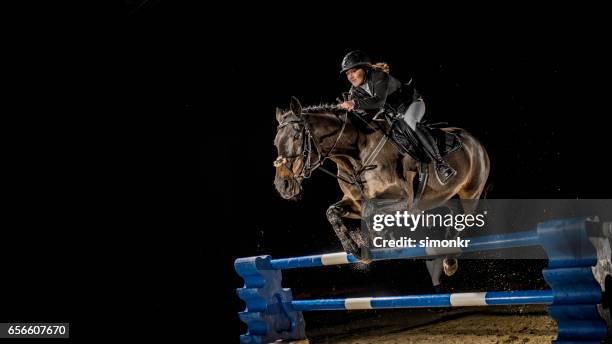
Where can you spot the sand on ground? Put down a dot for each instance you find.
(526, 325)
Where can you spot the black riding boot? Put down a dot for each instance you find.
(443, 170)
(400, 133)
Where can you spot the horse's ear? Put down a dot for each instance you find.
(296, 107)
(279, 115)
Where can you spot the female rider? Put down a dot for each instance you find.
(373, 89)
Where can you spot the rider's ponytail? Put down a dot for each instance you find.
(381, 66)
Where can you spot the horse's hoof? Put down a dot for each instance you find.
(349, 247)
(365, 255)
(450, 266)
(356, 253)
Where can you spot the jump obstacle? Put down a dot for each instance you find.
(579, 274)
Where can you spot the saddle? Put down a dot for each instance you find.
(447, 141)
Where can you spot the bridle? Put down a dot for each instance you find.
(308, 141)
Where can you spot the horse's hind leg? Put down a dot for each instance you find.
(469, 196)
(450, 264)
(469, 202)
(434, 266)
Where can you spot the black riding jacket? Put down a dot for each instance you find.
(385, 91)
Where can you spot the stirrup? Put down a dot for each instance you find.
(453, 172)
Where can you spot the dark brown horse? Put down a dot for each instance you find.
(307, 136)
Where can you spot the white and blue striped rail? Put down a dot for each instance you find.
(477, 244)
(491, 298)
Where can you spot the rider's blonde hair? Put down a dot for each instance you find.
(381, 66)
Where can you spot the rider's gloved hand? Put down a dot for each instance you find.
(347, 105)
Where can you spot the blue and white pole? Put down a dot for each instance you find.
(491, 298)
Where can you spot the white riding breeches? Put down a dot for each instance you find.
(415, 113)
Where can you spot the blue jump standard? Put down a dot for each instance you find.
(579, 263)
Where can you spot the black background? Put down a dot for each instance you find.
(536, 97)
(155, 171)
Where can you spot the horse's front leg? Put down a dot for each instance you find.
(351, 240)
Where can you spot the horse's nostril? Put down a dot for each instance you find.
(286, 184)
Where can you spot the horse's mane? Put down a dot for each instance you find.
(323, 108)
(333, 110)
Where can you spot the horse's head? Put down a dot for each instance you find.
(291, 143)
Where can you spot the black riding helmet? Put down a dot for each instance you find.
(354, 59)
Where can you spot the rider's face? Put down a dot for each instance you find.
(356, 76)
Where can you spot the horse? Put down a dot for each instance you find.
(306, 137)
